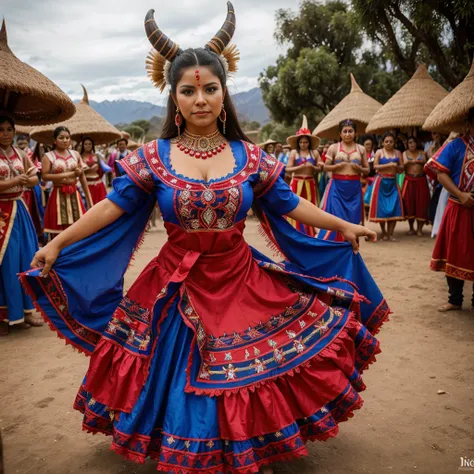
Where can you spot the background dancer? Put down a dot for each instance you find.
(304, 162)
(386, 205)
(347, 161)
(18, 240)
(415, 192)
(93, 172)
(63, 167)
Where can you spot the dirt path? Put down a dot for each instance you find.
(405, 426)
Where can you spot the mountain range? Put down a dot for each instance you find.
(249, 107)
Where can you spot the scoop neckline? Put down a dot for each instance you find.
(236, 146)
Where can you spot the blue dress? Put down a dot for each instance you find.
(386, 201)
(18, 244)
(218, 359)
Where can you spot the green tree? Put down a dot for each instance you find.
(325, 44)
(437, 32)
(143, 124)
(277, 132)
(135, 131)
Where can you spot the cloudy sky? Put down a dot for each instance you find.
(102, 44)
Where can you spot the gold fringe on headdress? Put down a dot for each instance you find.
(231, 54)
(155, 67)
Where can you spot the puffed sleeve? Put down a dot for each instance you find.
(443, 160)
(132, 189)
(271, 188)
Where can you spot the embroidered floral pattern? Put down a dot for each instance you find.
(136, 167)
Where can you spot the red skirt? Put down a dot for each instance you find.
(29, 197)
(416, 197)
(97, 190)
(454, 248)
(64, 207)
(305, 187)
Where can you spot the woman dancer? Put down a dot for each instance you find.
(18, 241)
(347, 161)
(454, 248)
(121, 152)
(369, 145)
(415, 192)
(386, 203)
(63, 167)
(218, 359)
(303, 163)
(93, 172)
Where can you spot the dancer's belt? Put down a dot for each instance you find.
(415, 175)
(391, 176)
(346, 177)
(67, 188)
(11, 196)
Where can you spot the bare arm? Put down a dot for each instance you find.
(467, 200)
(32, 180)
(6, 184)
(100, 216)
(307, 213)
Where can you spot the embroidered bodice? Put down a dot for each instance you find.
(353, 156)
(90, 161)
(301, 160)
(194, 205)
(414, 160)
(60, 164)
(385, 160)
(10, 167)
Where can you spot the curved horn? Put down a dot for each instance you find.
(223, 37)
(165, 47)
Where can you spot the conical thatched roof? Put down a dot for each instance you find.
(356, 106)
(411, 105)
(85, 123)
(450, 114)
(23, 130)
(29, 96)
(132, 145)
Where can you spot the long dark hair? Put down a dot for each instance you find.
(201, 57)
(7, 118)
(82, 144)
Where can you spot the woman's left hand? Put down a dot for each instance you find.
(353, 232)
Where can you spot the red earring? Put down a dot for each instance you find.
(178, 120)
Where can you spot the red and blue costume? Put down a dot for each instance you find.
(386, 201)
(454, 249)
(218, 359)
(305, 187)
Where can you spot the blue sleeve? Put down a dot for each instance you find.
(271, 188)
(127, 195)
(446, 157)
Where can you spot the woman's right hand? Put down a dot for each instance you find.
(45, 258)
(467, 200)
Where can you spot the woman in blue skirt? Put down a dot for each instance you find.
(386, 202)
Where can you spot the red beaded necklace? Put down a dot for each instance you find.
(201, 146)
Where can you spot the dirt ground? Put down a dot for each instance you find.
(404, 426)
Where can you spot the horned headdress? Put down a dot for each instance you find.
(159, 59)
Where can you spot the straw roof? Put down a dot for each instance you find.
(132, 145)
(125, 135)
(268, 142)
(450, 114)
(85, 123)
(356, 106)
(29, 96)
(23, 130)
(411, 105)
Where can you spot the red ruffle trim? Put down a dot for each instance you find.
(299, 393)
(285, 450)
(116, 376)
